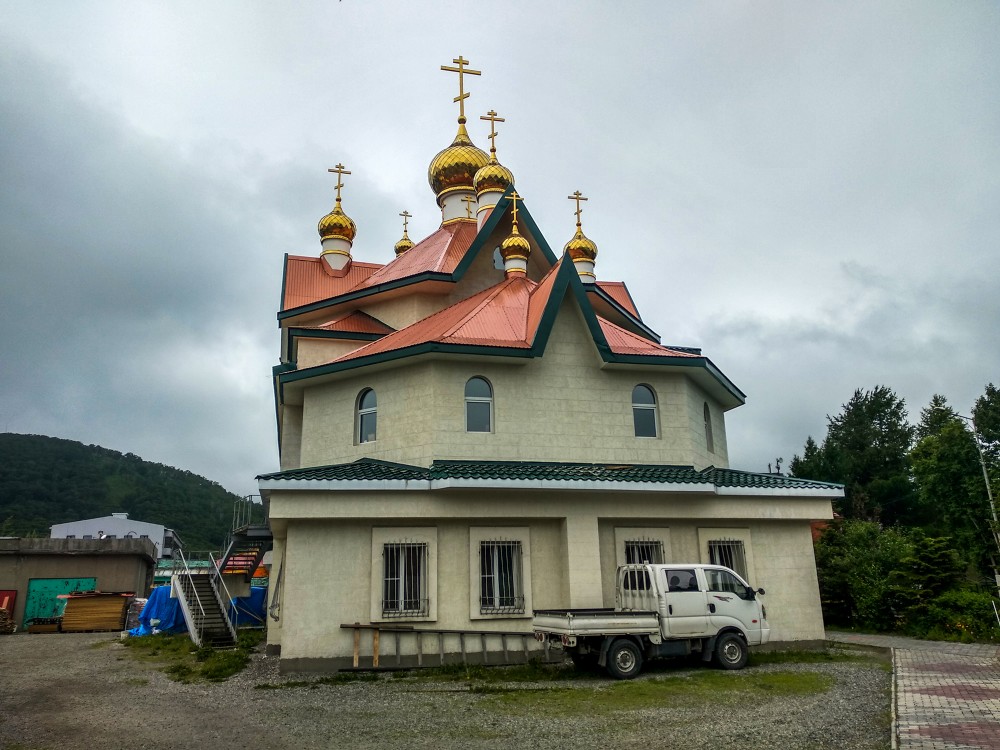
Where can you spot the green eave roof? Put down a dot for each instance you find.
(445, 473)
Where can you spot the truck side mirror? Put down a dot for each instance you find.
(760, 591)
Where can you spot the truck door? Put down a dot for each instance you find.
(686, 606)
(732, 602)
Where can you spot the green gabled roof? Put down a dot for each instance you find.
(374, 470)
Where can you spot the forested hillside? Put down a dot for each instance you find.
(46, 480)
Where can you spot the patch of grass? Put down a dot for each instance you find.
(688, 690)
(341, 678)
(823, 656)
(533, 671)
(185, 662)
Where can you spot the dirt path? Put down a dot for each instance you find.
(68, 691)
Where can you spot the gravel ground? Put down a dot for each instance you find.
(84, 691)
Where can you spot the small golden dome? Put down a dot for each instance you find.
(494, 176)
(403, 245)
(455, 167)
(337, 224)
(515, 246)
(581, 247)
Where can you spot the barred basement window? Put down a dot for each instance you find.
(643, 551)
(404, 579)
(501, 588)
(730, 553)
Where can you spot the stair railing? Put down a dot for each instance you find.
(218, 588)
(195, 613)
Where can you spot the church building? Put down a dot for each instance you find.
(474, 425)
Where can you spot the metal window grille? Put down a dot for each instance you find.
(730, 553)
(501, 589)
(643, 551)
(404, 579)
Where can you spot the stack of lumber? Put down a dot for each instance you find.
(95, 611)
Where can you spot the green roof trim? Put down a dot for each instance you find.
(375, 470)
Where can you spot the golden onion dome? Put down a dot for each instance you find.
(455, 167)
(515, 245)
(581, 247)
(494, 176)
(337, 224)
(403, 245)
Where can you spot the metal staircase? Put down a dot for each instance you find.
(203, 595)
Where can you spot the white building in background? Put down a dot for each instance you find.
(118, 526)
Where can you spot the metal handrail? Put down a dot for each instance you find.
(219, 584)
(197, 619)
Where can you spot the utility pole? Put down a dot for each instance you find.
(995, 526)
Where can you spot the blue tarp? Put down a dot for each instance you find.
(160, 615)
(249, 610)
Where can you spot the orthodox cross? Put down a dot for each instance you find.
(514, 198)
(462, 71)
(468, 200)
(340, 171)
(406, 217)
(577, 196)
(491, 116)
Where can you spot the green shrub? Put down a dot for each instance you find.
(959, 616)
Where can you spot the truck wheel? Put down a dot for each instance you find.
(731, 651)
(624, 660)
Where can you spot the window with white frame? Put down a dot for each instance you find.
(404, 580)
(478, 405)
(709, 438)
(643, 550)
(501, 580)
(367, 416)
(644, 411)
(729, 553)
(499, 572)
(641, 544)
(403, 573)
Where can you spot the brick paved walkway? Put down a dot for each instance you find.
(947, 694)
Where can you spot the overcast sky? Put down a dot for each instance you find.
(808, 191)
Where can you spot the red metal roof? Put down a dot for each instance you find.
(309, 280)
(619, 293)
(441, 252)
(625, 342)
(495, 317)
(356, 322)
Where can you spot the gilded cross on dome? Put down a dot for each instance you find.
(406, 217)
(514, 198)
(468, 201)
(340, 172)
(492, 118)
(462, 71)
(577, 196)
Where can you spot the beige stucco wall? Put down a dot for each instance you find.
(327, 539)
(560, 407)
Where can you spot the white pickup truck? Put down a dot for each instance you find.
(662, 610)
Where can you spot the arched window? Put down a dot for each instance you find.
(478, 405)
(644, 411)
(367, 416)
(709, 441)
